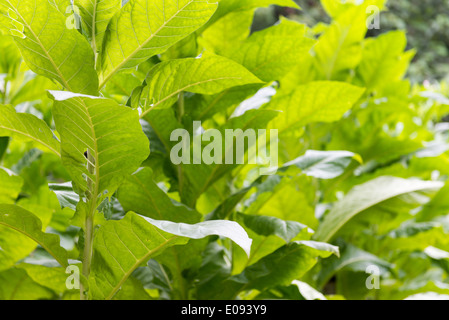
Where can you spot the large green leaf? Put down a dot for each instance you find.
(384, 60)
(139, 193)
(228, 32)
(207, 75)
(18, 285)
(27, 127)
(271, 53)
(320, 101)
(26, 223)
(352, 258)
(365, 196)
(49, 47)
(110, 133)
(144, 28)
(288, 263)
(120, 247)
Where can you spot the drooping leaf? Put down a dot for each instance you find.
(139, 193)
(27, 127)
(365, 196)
(27, 224)
(286, 264)
(98, 126)
(120, 247)
(266, 226)
(49, 47)
(353, 259)
(323, 164)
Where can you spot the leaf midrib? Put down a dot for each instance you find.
(136, 51)
(42, 47)
(42, 244)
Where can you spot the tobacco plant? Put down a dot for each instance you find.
(93, 207)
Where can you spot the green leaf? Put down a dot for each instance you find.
(323, 164)
(4, 141)
(144, 28)
(365, 196)
(49, 47)
(223, 228)
(227, 6)
(266, 226)
(384, 60)
(139, 193)
(110, 133)
(10, 187)
(120, 247)
(51, 278)
(353, 259)
(281, 267)
(27, 127)
(320, 101)
(29, 225)
(271, 53)
(207, 75)
(228, 32)
(18, 285)
(96, 16)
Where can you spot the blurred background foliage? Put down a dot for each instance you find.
(425, 21)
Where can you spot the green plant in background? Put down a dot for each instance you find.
(87, 182)
(426, 23)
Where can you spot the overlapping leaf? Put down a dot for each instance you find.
(122, 246)
(27, 224)
(207, 75)
(144, 28)
(110, 133)
(365, 196)
(27, 127)
(50, 47)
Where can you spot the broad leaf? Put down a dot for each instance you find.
(320, 101)
(144, 28)
(323, 164)
(26, 223)
(49, 47)
(120, 247)
(365, 196)
(207, 75)
(139, 193)
(270, 54)
(266, 226)
(98, 126)
(27, 127)
(286, 264)
(352, 258)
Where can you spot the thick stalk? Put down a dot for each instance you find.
(88, 227)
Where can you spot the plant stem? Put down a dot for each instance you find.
(88, 227)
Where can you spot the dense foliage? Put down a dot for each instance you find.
(89, 104)
(425, 21)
